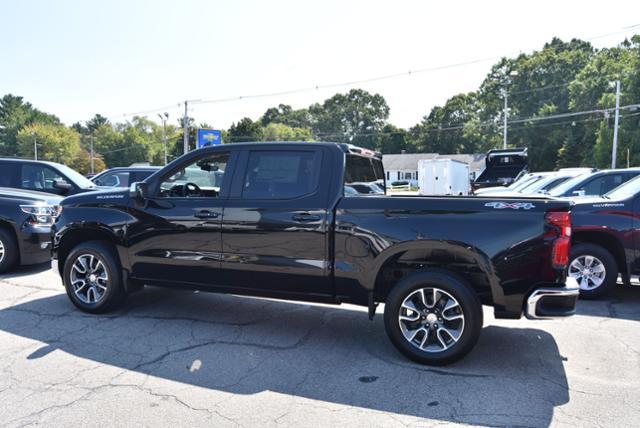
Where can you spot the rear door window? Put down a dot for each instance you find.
(281, 174)
(9, 174)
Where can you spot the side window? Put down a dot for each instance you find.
(202, 178)
(39, 177)
(612, 182)
(9, 174)
(116, 179)
(281, 174)
(593, 187)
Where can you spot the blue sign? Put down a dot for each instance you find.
(209, 137)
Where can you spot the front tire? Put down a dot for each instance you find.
(433, 317)
(8, 251)
(595, 269)
(93, 278)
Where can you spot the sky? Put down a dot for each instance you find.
(118, 57)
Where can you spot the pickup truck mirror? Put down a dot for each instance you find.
(138, 190)
(61, 184)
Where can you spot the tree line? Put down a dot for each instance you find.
(562, 77)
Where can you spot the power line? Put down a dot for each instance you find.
(407, 73)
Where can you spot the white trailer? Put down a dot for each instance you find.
(443, 177)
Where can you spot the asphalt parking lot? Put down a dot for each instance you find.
(173, 358)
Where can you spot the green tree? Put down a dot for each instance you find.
(55, 142)
(281, 132)
(355, 117)
(15, 114)
(286, 115)
(443, 131)
(395, 140)
(245, 130)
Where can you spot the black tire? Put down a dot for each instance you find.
(113, 294)
(602, 256)
(10, 250)
(468, 305)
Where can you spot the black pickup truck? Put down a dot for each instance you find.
(606, 240)
(277, 224)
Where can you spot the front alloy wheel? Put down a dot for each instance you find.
(92, 276)
(89, 278)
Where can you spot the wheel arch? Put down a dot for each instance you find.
(607, 241)
(73, 236)
(462, 260)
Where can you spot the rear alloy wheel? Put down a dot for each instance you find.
(433, 317)
(92, 277)
(594, 268)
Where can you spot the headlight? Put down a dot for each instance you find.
(42, 214)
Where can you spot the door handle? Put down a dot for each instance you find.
(305, 217)
(206, 214)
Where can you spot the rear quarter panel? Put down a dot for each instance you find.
(508, 244)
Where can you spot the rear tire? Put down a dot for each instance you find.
(595, 269)
(92, 277)
(433, 317)
(9, 250)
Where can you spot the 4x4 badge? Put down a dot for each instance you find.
(510, 205)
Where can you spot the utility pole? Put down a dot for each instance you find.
(35, 147)
(614, 149)
(164, 117)
(91, 139)
(185, 124)
(506, 116)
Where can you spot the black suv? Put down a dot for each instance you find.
(42, 176)
(25, 226)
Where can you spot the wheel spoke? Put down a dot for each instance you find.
(431, 319)
(424, 338)
(598, 268)
(89, 278)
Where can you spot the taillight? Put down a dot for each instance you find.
(562, 242)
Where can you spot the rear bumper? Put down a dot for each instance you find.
(553, 302)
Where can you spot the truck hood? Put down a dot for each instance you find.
(111, 195)
(30, 196)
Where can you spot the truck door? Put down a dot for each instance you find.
(275, 224)
(176, 237)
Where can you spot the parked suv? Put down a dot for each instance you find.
(25, 226)
(271, 220)
(42, 176)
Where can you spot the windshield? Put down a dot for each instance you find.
(525, 184)
(79, 179)
(566, 186)
(626, 190)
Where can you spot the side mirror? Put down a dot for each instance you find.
(579, 192)
(138, 190)
(61, 185)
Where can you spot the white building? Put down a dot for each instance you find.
(405, 166)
